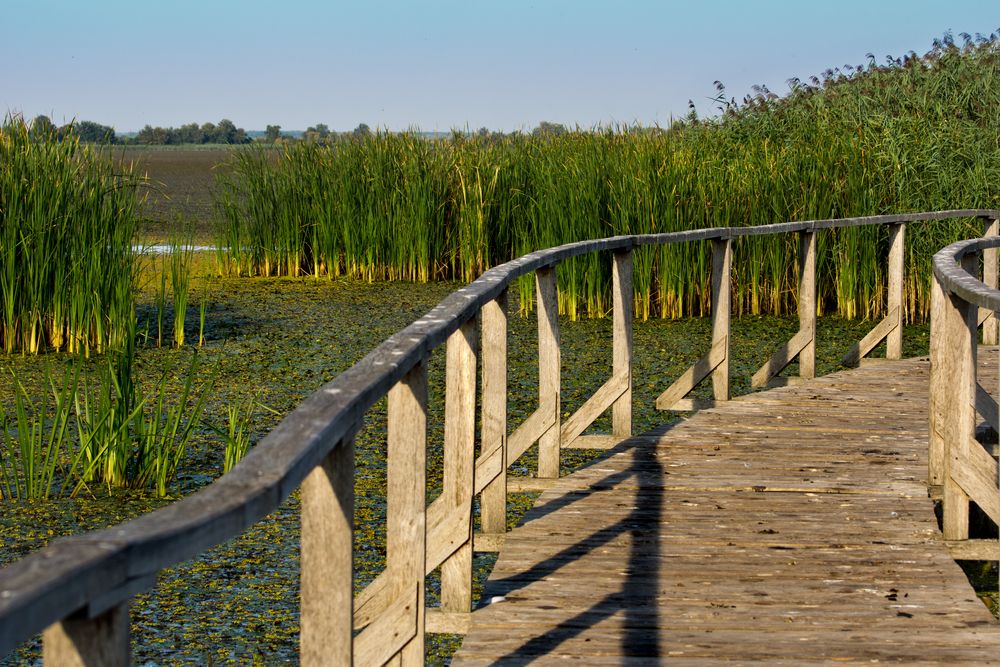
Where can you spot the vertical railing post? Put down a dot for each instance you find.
(326, 565)
(85, 642)
(406, 529)
(939, 391)
(621, 409)
(459, 464)
(990, 325)
(897, 257)
(957, 351)
(493, 501)
(807, 302)
(548, 369)
(722, 253)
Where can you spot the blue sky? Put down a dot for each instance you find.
(436, 64)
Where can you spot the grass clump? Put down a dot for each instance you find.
(914, 134)
(67, 264)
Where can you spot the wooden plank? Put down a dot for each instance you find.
(693, 376)
(693, 404)
(549, 371)
(894, 294)
(987, 406)
(938, 399)
(595, 442)
(813, 525)
(722, 255)
(974, 549)
(406, 533)
(444, 622)
(621, 364)
(975, 471)
(326, 555)
(392, 633)
(528, 433)
(459, 468)
(871, 339)
(593, 407)
(807, 302)
(86, 642)
(782, 357)
(517, 484)
(991, 227)
(491, 468)
(487, 541)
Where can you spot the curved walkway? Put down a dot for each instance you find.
(790, 526)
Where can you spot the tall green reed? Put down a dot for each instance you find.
(913, 134)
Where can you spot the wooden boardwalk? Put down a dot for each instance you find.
(790, 526)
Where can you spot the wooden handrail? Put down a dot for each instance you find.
(961, 470)
(77, 589)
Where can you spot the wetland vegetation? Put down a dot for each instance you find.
(914, 134)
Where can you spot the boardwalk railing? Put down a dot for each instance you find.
(961, 468)
(77, 589)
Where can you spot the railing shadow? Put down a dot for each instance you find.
(636, 598)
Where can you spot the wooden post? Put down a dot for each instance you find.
(957, 352)
(459, 464)
(102, 641)
(327, 550)
(990, 326)
(939, 390)
(897, 256)
(621, 409)
(721, 307)
(807, 302)
(493, 501)
(548, 369)
(406, 534)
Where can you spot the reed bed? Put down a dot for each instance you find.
(67, 223)
(915, 134)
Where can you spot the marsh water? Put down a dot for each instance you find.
(279, 339)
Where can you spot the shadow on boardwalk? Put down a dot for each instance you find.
(636, 598)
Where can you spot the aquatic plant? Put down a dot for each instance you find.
(67, 264)
(913, 134)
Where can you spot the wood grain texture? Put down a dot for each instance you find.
(894, 295)
(459, 468)
(722, 259)
(860, 350)
(549, 369)
(621, 346)
(327, 552)
(89, 642)
(807, 303)
(786, 527)
(991, 227)
(493, 502)
(693, 376)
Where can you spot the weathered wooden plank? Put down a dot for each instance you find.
(621, 364)
(491, 478)
(991, 227)
(444, 622)
(888, 324)
(406, 534)
(327, 552)
(528, 433)
(393, 632)
(693, 375)
(987, 406)
(549, 371)
(722, 256)
(782, 357)
(626, 558)
(974, 549)
(894, 294)
(807, 302)
(593, 407)
(459, 467)
(89, 642)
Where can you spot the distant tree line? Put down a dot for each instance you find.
(225, 132)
